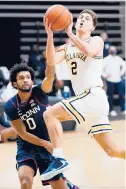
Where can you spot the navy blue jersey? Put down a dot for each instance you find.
(31, 114)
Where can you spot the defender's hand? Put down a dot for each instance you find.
(48, 27)
(49, 147)
(69, 28)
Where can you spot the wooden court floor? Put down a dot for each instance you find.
(90, 168)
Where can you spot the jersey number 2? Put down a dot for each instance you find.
(31, 123)
(74, 68)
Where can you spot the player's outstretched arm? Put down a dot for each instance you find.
(47, 83)
(53, 55)
(21, 131)
(93, 48)
(51, 58)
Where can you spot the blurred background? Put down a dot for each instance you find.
(23, 39)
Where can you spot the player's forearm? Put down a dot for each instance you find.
(47, 85)
(33, 139)
(81, 45)
(50, 51)
(50, 72)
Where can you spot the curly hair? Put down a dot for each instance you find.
(19, 68)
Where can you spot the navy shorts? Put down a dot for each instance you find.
(36, 159)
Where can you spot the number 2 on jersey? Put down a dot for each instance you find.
(74, 68)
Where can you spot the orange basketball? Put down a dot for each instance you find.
(59, 16)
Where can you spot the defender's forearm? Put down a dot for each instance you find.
(33, 139)
(50, 72)
(50, 51)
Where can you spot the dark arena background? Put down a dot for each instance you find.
(23, 39)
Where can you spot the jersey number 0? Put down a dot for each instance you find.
(31, 123)
(74, 68)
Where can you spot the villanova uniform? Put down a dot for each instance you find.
(90, 105)
(31, 114)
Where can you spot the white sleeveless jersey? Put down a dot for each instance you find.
(85, 72)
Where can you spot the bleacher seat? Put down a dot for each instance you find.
(110, 17)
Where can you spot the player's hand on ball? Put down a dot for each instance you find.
(48, 27)
(49, 147)
(69, 28)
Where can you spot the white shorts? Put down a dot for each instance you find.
(90, 108)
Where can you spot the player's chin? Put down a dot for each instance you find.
(81, 29)
(26, 89)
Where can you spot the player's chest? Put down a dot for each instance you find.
(31, 109)
(73, 53)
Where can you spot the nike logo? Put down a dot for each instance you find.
(63, 162)
(55, 169)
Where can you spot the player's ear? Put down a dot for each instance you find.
(92, 29)
(15, 84)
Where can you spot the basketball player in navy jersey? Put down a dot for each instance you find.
(25, 112)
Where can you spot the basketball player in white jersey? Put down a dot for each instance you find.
(89, 107)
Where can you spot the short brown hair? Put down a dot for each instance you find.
(93, 15)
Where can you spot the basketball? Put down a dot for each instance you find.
(59, 16)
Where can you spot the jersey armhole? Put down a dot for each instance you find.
(97, 57)
(65, 49)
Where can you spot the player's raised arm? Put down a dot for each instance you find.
(47, 83)
(21, 131)
(94, 47)
(90, 49)
(52, 56)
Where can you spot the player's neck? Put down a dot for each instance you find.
(24, 96)
(83, 36)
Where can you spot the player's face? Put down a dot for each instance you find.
(24, 82)
(84, 23)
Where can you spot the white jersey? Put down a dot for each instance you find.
(85, 72)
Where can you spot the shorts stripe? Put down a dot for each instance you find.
(69, 106)
(77, 111)
(100, 125)
(65, 106)
(101, 128)
(101, 131)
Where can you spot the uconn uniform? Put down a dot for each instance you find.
(90, 105)
(31, 114)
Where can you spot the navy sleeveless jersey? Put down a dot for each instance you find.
(30, 112)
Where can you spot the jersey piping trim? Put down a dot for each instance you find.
(13, 103)
(40, 102)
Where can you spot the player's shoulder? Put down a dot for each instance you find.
(63, 47)
(59, 48)
(11, 104)
(36, 87)
(97, 39)
(36, 90)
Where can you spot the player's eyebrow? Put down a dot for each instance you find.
(82, 16)
(22, 75)
(86, 16)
